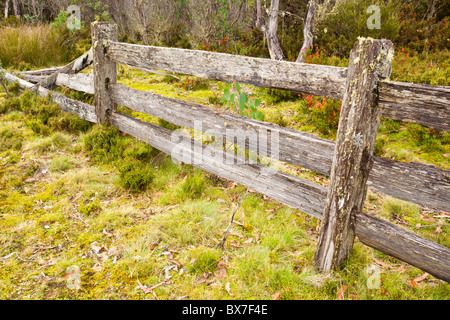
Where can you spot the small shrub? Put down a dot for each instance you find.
(429, 140)
(204, 260)
(89, 208)
(60, 139)
(193, 186)
(134, 174)
(140, 151)
(10, 104)
(14, 157)
(321, 113)
(104, 144)
(61, 164)
(10, 139)
(192, 83)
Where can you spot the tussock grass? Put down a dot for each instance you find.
(82, 214)
(31, 46)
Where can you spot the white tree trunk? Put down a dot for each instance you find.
(269, 28)
(7, 8)
(308, 29)
(16, 8)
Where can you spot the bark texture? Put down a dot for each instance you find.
(370, 61)
(105, 70)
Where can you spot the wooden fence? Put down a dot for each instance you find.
(366, 94)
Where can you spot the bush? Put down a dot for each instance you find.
(104, 144)
(10, 140)
(204, 260)
(321, 113)
(429, 140)
(39, 45)
(134, 175)
(193, 186)
(338, 32)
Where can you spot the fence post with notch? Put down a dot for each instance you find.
(370, 62)
(105, 70)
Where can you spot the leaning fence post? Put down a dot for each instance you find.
(370, 62)
(105, 71)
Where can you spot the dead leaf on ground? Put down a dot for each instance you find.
(422, 277)
(276, 296)
(384, 264)
(340, 294)
(171, 207)
(97, 268)
(444, 214)
(98, 249)
(108, 234)
(204, 278)
(401, 268)
(438, 230)
(221, 274)
(412, 283)
(227, 287)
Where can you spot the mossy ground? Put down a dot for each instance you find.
(68, 199)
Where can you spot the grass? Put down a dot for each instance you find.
(78, 214)
(33, 46)
(72, 194)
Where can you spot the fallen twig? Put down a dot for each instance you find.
(17, 255)
(221, 244)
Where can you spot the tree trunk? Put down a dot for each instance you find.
(370, 62)
(312, 18)
(16, 8)
(269, 28)
(272, 39)
(308, 28)
(7, 8)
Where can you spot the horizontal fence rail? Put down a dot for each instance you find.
(317, 80)
(420, 104)
(422, 184)
(423, 104)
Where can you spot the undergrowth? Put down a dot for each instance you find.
(67, 200)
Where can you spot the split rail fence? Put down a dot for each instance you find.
(366, 94)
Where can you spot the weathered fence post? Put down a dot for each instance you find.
(105, 70)
(370, 62)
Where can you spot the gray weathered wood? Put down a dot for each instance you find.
(82, 82)
(83, 110)
(74, 67)
(418, 103)
(295, 147)
(419, 183)
(404, 245)
(292, 191)
(370, 61)
(423, 104)
(422, 184)
(105, 70)
(318, 80)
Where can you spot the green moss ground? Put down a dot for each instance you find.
(67, 200)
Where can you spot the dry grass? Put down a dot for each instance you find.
(36, 46)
